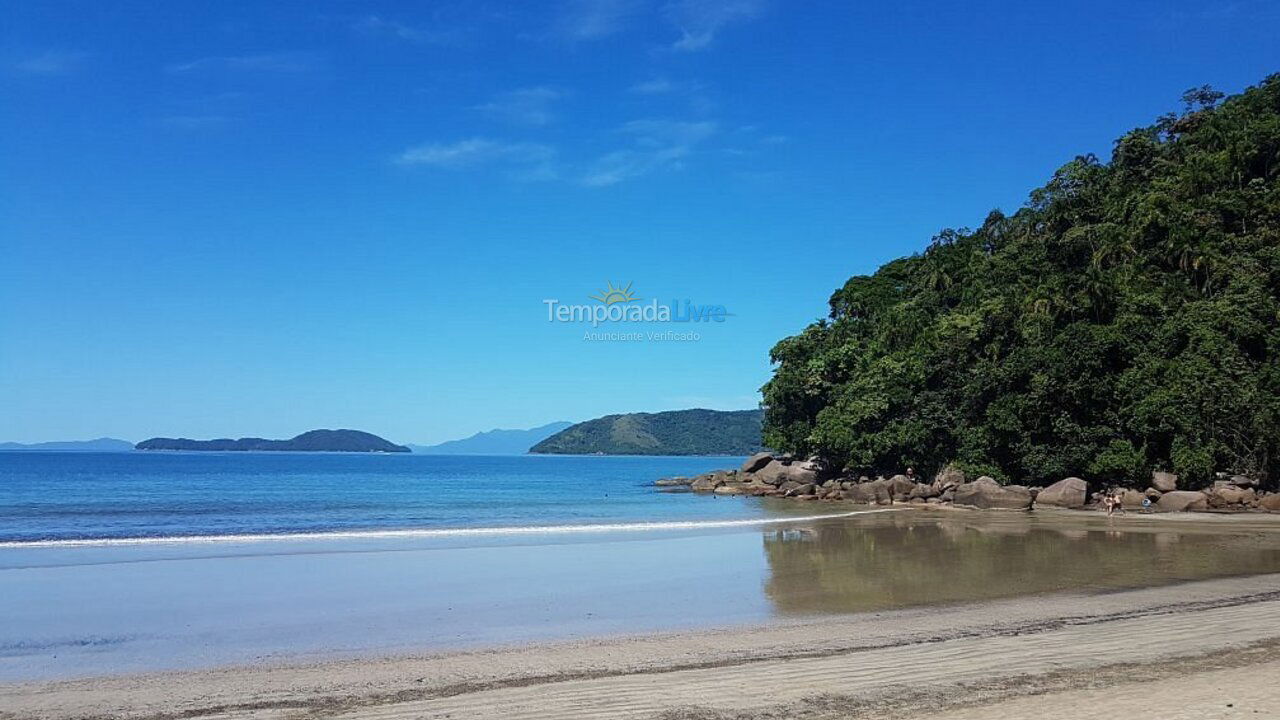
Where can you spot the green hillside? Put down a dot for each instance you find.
(681, 432)
(1126, 318)
(310, 441)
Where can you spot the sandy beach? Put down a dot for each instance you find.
(1198, 649)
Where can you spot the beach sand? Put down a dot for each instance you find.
(1201, 649)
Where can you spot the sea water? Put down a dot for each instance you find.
(119, 563)
(52, 496)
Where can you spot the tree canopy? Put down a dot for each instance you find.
(1125, 319)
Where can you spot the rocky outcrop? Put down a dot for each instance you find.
(949, 478)
(924, 492)
(1132, 499)
(780, 473)
(874, 492)
(755, 462)
(1182, 501)
(711, 481)
(783, 477)
(1069, 493)
(1226, 496)
(901, 486)
(1164, 481)
(986, 493)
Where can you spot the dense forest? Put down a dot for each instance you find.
(678, 432)
(1126, 319)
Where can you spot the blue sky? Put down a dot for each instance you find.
(225, 219)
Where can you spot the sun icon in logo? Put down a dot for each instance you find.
(613, 295)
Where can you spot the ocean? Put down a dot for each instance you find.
(133, 562)
(70, 496)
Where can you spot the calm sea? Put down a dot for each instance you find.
(51, 496)
(113, 563)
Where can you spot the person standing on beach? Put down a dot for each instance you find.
(1113, 502)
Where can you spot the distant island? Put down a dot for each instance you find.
(679, 432)
(313, 441)
(494, 442)
(98, 445)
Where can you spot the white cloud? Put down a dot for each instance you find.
(521, 160)
(700, 20)
(593, 19)
(527, 106)
(264, 62)
(50, 62)
(656, 145)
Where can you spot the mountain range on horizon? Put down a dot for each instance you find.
(310, 441)
(494, 442)
(103, 444)
(677, 432)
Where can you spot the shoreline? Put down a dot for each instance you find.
(904, 663)
(838, 510)
(411, 533)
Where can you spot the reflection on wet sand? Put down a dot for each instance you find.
(915, 558)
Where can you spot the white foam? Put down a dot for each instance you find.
(431, 532)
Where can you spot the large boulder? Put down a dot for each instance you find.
(735, 489)
(710, 481)
(948, 478)
(778, 472)
(771, 473)
(1164, 481)
(1229, 495)
(986, 493)
(900, 486)
(802, 490)
(924, 492)
(1068, 493)
(1182, 501)
(875, 492)
(757, 461)
(673, 481)
(1270, 503)
(1132, 499)
(801, 472)
(1243, 481)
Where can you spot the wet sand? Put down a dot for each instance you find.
(893, 615)
(1205, 643)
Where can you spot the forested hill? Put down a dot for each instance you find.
(680, 432)
(1125, 319)
(311, 441)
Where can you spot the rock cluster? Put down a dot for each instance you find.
(766, 475)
